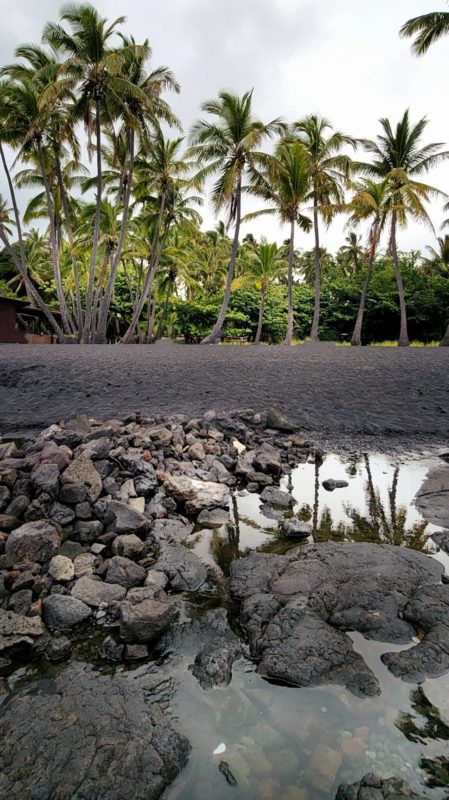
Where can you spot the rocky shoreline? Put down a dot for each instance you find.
(96, 521)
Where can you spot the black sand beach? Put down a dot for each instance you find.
(337, 393)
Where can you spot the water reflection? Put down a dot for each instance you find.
(424, 725)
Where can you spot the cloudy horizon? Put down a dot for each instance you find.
(343, 60)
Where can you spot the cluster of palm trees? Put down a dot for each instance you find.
(133, 219)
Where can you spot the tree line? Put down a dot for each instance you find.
(123, 235)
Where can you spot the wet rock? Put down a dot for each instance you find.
(112, 650)
(172, 529)
(125, 572)
(61, 568)
(295, 529)
(64, 612)
(128, 545)
(183, 569)
(34, 541)
(82, 473)
(20, 633)
(124, 744)
(45, 478)
(59, 649)
(432, 498)
(226, 771)
(213, 517)
(276, 497)
(95, 593)
(197, 494)
(143, 617)
(297, 607)
(372, 787)
(331, 484)
(127, 519)
(136, 652)
(279, 421)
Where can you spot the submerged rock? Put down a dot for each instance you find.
(297, 607)
(372, 787)
(87, 735)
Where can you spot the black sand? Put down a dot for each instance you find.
(386, 396)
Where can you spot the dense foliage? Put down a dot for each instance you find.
(114, 250)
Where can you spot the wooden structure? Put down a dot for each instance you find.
(21, 323)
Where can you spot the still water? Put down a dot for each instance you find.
(300, 744)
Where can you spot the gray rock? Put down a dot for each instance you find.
(20, 633)
(5, 494)
(279, 421)
(95, 593)
(34, 541)
(18, 505)
(20, 602)
(372, 787)
(128, 545)
(296, 609)
(87, 735)
(96, 448)
(64, 612)
(432, 498)
(112, 650)
(125, 572)
(62, 515)
(183, 568)
(8, 522)
(89, 531)
(143, 617)
(45, 478)
(58, 649)
(213, 517)
(83, 511)
(295, 529)
(268, 460)
(73, 493)
(81, 472)
(171, 529)
(70, 549)
(196, 494)
(276, 497)
(127, 519)
(136, 652)
(442, 540)
(331, 484)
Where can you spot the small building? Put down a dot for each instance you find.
(21, 323)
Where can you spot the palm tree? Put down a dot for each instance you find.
(227, 145)
(428, 28)
(353, 251)
(437, 262)
(400, 157)
(370, 202)
(328, 168)
(265, 264)
(284, 180)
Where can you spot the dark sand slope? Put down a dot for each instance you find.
(339, 392)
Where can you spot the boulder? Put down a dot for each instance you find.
(279, 421)
(124, 572)
(128, 545)
(294, 528)
(45, 478)
(196, 494)
(171, 529)
(20, 633)
(64, 612)
(61, 568)
(432, 498)
(268, 460)
(81, 472)
(331, 484)
(61, 514)
(127, 519)
(273, 496)
(297, 608)
(213, 517)
(95, 593)
(34, 541)
(143, 617)
(83, 734)
(183, 569)
(442, 540)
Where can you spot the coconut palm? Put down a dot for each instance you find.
(427, 28)
(264, 265)
(400, 156)
(283, 180)
(353, 251)
(437, 262)
(228, 144)
(328, 168)
(370, 202)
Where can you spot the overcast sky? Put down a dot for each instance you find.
(339, 58)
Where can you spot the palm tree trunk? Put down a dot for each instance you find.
(153, 265)
(106, 302)
(403, 334)
(69, 231)
(163, 316)
(151, 318)
(67, 321)
(356, 340)
(291, 253)
(261, 310)
(316, 311)
(99, 288)
(216, 332)
(87, 330)
(20, 263)
(445, 340)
